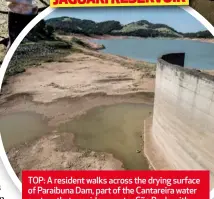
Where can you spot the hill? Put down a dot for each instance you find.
(67, 25)
(142, 28)
(200, 34)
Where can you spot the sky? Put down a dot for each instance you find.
(175, 17)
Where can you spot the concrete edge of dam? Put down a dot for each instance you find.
(171, 61)
(179, 135)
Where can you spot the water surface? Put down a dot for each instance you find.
(198, 54)
(21, 127)
(115, 129)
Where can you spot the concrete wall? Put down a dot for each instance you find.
(183, 119)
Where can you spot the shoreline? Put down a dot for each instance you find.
(106, 37)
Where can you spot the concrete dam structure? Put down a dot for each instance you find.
(180, 134)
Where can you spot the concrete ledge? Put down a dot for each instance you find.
(189, 71)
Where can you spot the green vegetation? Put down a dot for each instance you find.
(67, 25)
(41, 31)
(142, 28)
(33, 54)
(39, 46)
(200, 34)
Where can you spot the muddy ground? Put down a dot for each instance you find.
(63, 89)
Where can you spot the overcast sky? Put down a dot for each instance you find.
(172, 16)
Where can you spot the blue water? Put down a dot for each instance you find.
(198, 54)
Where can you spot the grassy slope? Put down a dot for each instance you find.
(135, 26)
(138, 28)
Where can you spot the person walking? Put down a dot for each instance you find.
(21, 12)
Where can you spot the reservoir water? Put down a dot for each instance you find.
(18, 128)
(115, 129)
(198, 54)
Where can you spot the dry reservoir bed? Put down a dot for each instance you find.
(83, 113)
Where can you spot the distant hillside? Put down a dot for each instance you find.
(87, 27)
(142, 28)
(200, 34)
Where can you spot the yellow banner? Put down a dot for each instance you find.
(116, 3)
